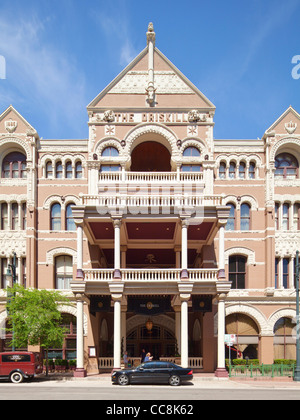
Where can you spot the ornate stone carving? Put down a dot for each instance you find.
(290, 127)
(109, 116)
(11, 126)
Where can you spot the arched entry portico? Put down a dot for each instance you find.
(150, 156)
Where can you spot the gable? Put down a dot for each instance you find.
(11, 122)
(287, 124)
(172, 88)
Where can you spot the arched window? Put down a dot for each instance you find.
(231, 219)
(49, 169)
(69, 170)
(58, 169)
(191, 151)
(78, 170)
(191, 168)
(237, 271)
(297, 216)
(284, 345)
(222, 170)
(232, 168)
(70, 224)
(285, 216)
(245, 216)
(252, 170)
(242, 170)
(14, 165)
(286, 166)
(55, 222)
(63, 272)
(110, 152)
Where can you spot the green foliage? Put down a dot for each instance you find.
(34, 317)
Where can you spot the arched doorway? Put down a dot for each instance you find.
(159, 341)
(150, 156)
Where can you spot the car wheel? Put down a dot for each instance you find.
(123, 379)
(16, 377)
(174, 380)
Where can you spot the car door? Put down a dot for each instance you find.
(145, 373)
(162, 372)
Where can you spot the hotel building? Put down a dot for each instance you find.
(164, 238)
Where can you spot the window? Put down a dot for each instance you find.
(63, 272)
(222, 170)
(55, 222)
(232, 168)
(231, 219)
(285, 272)
(24, 216)
(237, 271)
(78, 170)
(297, 216)
(14, 216)
(110, 152)
(191, 168)
(286, 166)
(68, 350)
(242, 170)
(252, 170)
(70, 224)
(191, 151)
(14, 166)
(49, 169)
(245, 216)
(276, 272)
(58, 170)
(284, 344)
(285, 216)
(4, 216)
(69, 170)
(276, 216)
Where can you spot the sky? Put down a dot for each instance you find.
(59, 54)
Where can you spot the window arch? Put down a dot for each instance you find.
(14, 166)
(231, 219)
(252, 168)
(284, 348)
(78, 169)
(237, 271)
(242, 170)
(287, 166)
(68, 170)
(58, 169)
(245, 216)
(55, 217)
(63, 272)
(232, 169)
(110, 151)
(191, 151)
(70, 224)
(49, 169)
(222, 170)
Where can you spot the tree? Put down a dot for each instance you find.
(34, 318)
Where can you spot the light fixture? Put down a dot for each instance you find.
(149, 325)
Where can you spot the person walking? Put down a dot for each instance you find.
(143, 355)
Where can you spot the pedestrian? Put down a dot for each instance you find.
(143, 355)
(148, 357)
(125, 358)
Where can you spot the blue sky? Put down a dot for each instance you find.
(60, 54)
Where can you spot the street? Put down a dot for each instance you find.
(103, 390)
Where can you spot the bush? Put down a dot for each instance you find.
(284, 362)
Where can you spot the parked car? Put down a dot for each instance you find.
(153, 372)
(19, 365)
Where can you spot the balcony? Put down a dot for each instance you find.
(156, 177)
(146, 275)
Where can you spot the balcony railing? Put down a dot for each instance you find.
(136, 200)
(140, 177)
(150, 274)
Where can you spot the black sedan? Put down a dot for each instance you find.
(153, 372)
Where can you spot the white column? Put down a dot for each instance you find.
(79, 252)
(184, 334)
(178, 328)
(117, 333)
(117, 250)
(221, 370)
(80, 371)
(221, 252)
(184, 248)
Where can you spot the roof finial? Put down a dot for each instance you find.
(150, 34)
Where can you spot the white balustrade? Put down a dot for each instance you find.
(140, 177)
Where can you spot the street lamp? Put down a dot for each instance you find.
(297, 368)
(11, 280)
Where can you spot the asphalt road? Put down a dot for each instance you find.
(186, 394)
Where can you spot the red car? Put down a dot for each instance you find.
(18, 365)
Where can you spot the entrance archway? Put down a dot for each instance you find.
(150, 156)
